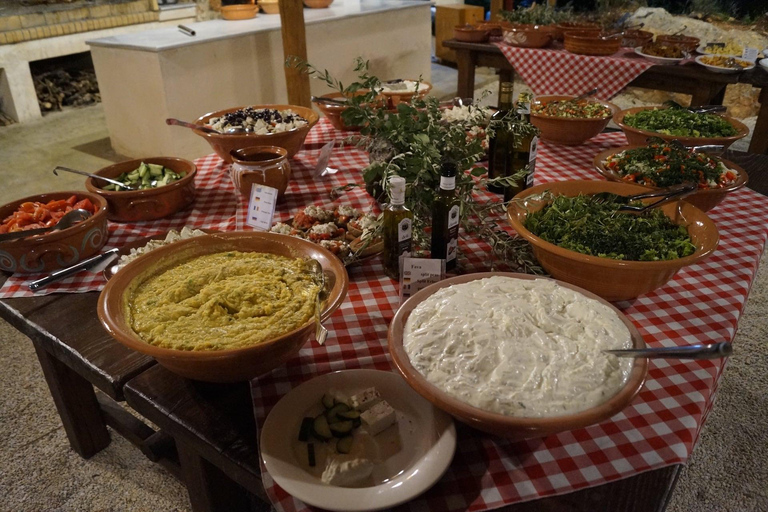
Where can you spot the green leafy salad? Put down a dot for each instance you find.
(662, 164)
(595, 228)
(681, 122)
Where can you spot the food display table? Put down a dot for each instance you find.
(704, 86)
(208, 434)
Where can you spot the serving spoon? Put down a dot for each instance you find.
(192, 126)
(711, 351)
(321, 333)
(67, 220)
(94, 176)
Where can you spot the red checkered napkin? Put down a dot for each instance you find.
(561, 72)
(701, 304)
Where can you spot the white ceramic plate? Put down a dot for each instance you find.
(764, 62)
(667, 61)
(718, 69)
(702, 50)
(427, 437)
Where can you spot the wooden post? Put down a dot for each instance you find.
(294, 44)
(496, 6)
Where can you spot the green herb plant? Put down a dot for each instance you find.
(413, 141)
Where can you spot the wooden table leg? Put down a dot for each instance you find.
(466, 62)
(76, 402)
(708, 94)
(209, 489)
(759, 143)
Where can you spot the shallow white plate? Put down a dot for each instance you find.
(426, 434)
(667, 61)
(718, 69)
(764, 62)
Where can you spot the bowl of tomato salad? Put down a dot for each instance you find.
(565, 121)
(662, 164)
(57, 249)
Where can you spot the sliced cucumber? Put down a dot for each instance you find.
(344, 444)
(306, 429)
(320, 428)
(333, 413)
(328, 401)
(350, 414)
(341, 428)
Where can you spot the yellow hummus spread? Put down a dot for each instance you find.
(224, 300)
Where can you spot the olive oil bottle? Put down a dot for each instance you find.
(445, 218)
(523, 151)
(397, 228)
(500, 145)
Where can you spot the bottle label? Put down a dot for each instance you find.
(452, 250)
(447, 183)
(404, 232)
(453, 218)
(532, 162)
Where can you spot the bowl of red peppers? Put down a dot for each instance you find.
(662, 164)
(56, 249)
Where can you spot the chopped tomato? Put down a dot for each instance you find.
(31, 215)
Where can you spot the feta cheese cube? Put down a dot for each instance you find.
(378, 418)
(365, 399)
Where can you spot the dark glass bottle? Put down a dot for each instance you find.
(445, 218)
(397, 228)
(523, 151)
(500, 145)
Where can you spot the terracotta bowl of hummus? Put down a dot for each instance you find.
(227, 316)
(475, 369)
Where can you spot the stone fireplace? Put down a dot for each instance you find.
(36, 30)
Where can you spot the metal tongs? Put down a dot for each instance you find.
(711, 351)
(666, 195)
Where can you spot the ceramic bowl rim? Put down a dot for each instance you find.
(130, 194)
(554, 97)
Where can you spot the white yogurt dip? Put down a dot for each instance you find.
(528, 348)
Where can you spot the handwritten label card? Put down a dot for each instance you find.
(749, 54)
(261, 207)
(322, 160)
(418, 273)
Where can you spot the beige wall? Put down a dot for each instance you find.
(141, 89)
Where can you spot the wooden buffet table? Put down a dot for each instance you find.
(704, 86)
(207, 433)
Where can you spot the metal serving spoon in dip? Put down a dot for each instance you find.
(67, 220)
(321, 333)
(711, 351)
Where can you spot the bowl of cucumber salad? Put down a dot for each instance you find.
(153, 188)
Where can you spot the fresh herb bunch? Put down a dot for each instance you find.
(537, 14)
(596, 228)
(413, 141)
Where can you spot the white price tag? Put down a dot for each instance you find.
(322, 160)
(418, 273)
(749, 54)
(261, 207)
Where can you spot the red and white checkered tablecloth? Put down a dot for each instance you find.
(557, 71)
(701, 304)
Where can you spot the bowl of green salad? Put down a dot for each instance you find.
(662, 164)
(564, 120)
(155, 187)
(689, 128)
(583, 239)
